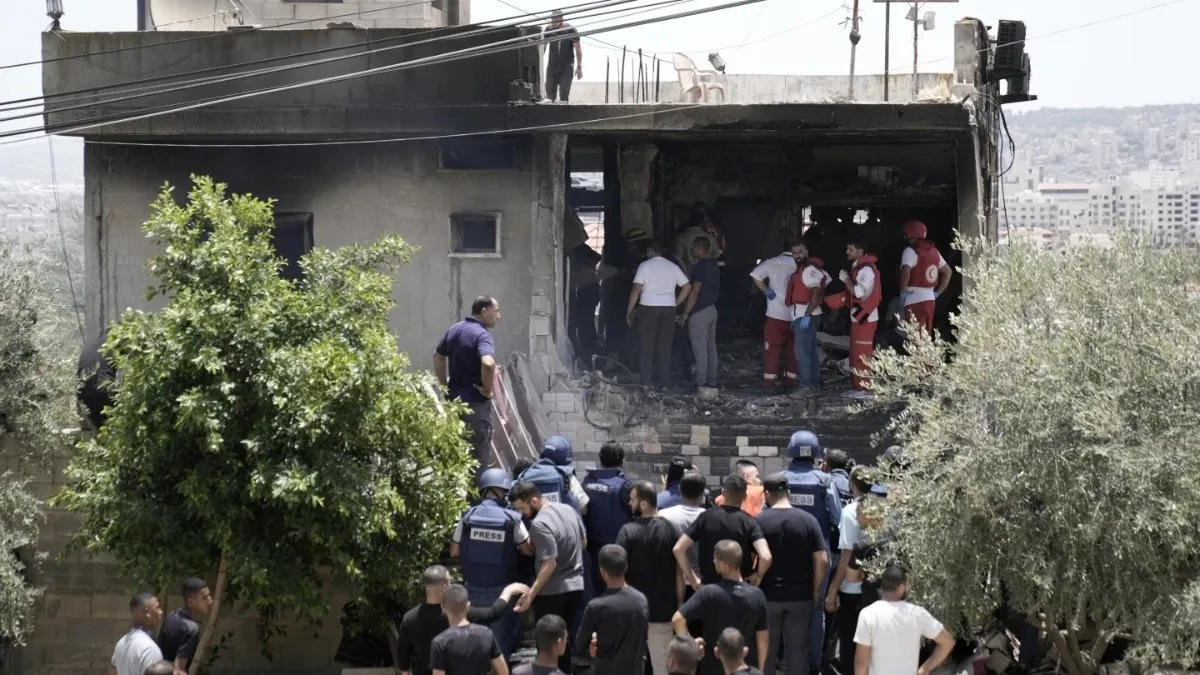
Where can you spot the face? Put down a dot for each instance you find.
(699, 252)
(529, 508)
(799, 251)
(152, 614)
(200, 603)
(853, 252)
(491, 315)
(556, 20)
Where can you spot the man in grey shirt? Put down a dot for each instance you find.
(559, 543)
(691, 494)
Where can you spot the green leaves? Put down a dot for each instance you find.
(1054, 455)
(271, 420)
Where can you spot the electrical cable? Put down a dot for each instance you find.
(206, 36)
(806, 24)
(597, 41)
(172, 87)
(91, 92)
(499, 47)
(62, 238)
(750, 29)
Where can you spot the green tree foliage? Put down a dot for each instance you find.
(35, 406)
(1056, 456)
(264, 428)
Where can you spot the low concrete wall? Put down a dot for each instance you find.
(746, 89)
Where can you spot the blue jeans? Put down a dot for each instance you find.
(808, 360)
(507, 628)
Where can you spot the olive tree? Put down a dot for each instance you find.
(1053, 451)
(35, 407)
(266, 430)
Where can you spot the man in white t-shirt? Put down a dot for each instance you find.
(805, 294)
(771, 276)
(923, 276)
(659, 286)
(137, 651)
(889, 632)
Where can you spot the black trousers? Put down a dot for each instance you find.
(656, 333)
(569, 606)
(849, 606)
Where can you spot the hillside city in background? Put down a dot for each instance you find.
(1079, 175)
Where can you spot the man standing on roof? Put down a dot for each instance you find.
(465, 363)
(565, 57)
(923, 277)
(805, 293)
(863, 294)
(487, 540)
(771, 276)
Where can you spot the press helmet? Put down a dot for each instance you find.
(493, 478)
(915, 229)
(804, 445)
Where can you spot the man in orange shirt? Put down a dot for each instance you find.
(755, 498)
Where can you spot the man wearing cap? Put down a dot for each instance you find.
(670, 495)
(793, 583)
(923, 277)
(813, 491)
(487, 539)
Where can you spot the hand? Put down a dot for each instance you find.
(805, 322)
(523, 604)
(770, 294)
(923, 670)
(682, 320)
(831, 603)
(514, 589)
(844, 276)
(579, 72)
(695, 582)
(754, 579)
(629, 319)
(485, 391)
(593, 647)
(700, 644)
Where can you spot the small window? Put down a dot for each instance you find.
(293, 238)
(475, 235)
(478, 155)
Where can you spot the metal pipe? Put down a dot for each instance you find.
(854, 37)
(621, 79)
(657, 76)
(887, 46)
(916, 37)
(607, 71)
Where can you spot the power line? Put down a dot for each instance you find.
(404, 139)
(206, 36)
(841, 6)
(495, 48)
(62, 237)
(598, 41)
(174, 86)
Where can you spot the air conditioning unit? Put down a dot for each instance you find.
(1010, 50)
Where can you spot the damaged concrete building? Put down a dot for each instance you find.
(484, 185)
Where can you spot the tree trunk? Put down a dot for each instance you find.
(210, 625)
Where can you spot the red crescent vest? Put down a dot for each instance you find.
(797, 292)
(925, 273)
(861, 308)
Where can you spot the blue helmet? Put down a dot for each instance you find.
(558, 450)
(804, 445)
(493, 478)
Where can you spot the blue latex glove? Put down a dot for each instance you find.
(770, 294)
(805, 322)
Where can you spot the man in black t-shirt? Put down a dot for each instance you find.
(613, 628)
(717, 524)
(565, 58)
(731, 650)
(792, 583)
(729, 603)
(180, 632)
(550, 634)
(683, 655)
(648, 541)
(464, 648)
(423, 623)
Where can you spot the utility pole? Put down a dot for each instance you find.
(887, 47)
(854, 38)
(916, 36)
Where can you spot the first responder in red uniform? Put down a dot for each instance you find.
(924, 275)
(863, 295)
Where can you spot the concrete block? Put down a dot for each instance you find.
(556, 417)
(567, 429)
(701, 431)
(109, 606)
(65, 606)
(584, 433)
(768, 451)
(742, 441)
(314, 10)
(541, 305)
(276, 11)
(747, 451)
(593, 446)
(773, 465)
(703, 464)
(548, 398)
(539, 325)
(689, 450)
(652, 448)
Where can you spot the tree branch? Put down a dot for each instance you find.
(210, 626)
(1103, 640)
(1085, 668)
(1060, 644)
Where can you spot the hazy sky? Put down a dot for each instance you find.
(1135, 60)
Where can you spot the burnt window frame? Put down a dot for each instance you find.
(289, 220)
(512, 154)
(458, 216)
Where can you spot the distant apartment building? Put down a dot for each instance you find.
(206, 15)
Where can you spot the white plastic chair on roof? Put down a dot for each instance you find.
(696, 82)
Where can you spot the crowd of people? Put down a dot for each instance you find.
(158, 643)
(631, 577)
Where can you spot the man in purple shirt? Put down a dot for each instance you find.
(465, 363)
